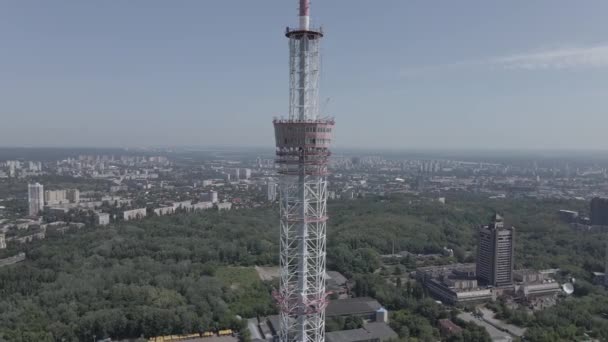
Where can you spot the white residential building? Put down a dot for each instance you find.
(35, 198)
(134, 214)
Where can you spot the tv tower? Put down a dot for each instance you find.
(302, 152)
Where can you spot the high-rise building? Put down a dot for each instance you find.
(495, 253)
(302, 142)
(235, 174)
(210, 196)
(599, 211)
(35, 194)
(52, 197)
(246, 173)
(271, 190)
(73, 195)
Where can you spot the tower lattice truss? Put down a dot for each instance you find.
(302, 152)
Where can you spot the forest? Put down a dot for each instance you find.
(191, 272)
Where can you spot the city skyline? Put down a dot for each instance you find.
(432, 76)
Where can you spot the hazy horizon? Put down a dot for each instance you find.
(468, 75)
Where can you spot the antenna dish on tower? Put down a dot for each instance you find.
(568, 288)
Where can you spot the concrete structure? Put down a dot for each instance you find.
(454, 284)
(164, 211)
(368, 309)
(336, 283)
(102, 219)
(532, 284)
(568, 216)
(210, 196)
(271, 190)
(30, 238)
(382, 315)
(235, 174)
(2, 241)
(302, 152)
(134, 214)
(362, 307)
(35, 196)
(184, 205)
(224, 206)
(58, 212)
(53, 197)
(73, 195)
(599, 211)
(495, 253)
(370, 332)
(202, 206)
(246, 173)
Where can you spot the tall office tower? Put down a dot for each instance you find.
(302, 152)
(495, 253)
(35, 194)
(599, 211)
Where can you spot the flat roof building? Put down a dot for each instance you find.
(35, 194)
(134, 214)
(495, 253)
(102, 219)
(599, 211)
(370, 332)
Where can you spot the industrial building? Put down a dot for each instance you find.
(375, 317)
(454, 284)
(495, 253)
(370, 332)
(530, 284)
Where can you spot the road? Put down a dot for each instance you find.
(488, 315)
(495, 334)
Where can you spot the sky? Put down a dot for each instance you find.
(399, 74)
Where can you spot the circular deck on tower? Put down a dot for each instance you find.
(299, 33)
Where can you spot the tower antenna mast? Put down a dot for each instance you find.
(302, 152)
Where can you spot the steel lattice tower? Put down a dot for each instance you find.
(302, 152)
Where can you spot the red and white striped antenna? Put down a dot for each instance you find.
(304, 15)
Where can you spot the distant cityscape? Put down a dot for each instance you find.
(105, 189)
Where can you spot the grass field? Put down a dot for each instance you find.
(252, 296)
